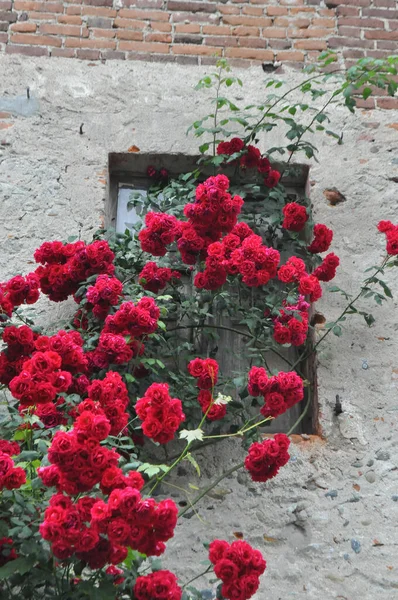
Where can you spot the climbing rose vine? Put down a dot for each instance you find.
(138, 372)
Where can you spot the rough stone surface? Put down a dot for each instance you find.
(53, 184)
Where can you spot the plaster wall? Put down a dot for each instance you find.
(327, 524)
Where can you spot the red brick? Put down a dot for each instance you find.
(143, 3)
(311, 32)
(282, 22)
(160, 26)
(70, 20)
(347, 11)
(94, 44)
(39, 16)
(104, 33)
(149, 15)
(331, 3)
(5, 115)
(54, 7)
(280, 44)
(327, 12)
(129, 23)
(301, 23)
(273, 32)
(291, 56)
(188, 28)
(98, 11)
(63, 52)
(199, 50)
(6, 5)
(182, 38)
(383, 13)
(221, 40)
(339, 42)
(6, 125)
(253, 10)
(302, 9)
(212, 29)
(158, 37)
(145, 47)
(387, 45)
(358, 22)
(352, 53)
(27, 50)
(127, 34)
(291, 2)
(248, 42)
(387, 3)
(392, 25)
(3, 38)
(330, 23)
(98, 2)
(353, 32)
(24, 27)
(113, 55)
(242, 30)
(310, 45)
(88, 54)
(8, 17)
(254, 54)
(69, 30)
(276, 11)
(251, 21)
(35, 40)
(368, 103)
(191, 6)
(381, 35)
(228, 10)
(74, 10)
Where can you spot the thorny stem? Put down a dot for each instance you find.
(216, 111)
(197, 577)
(239, 465)
(238, 433)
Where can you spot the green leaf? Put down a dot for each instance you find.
(19, 565)
(386, 289)
(366, 93)
(337, 330)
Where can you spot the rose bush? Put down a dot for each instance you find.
(88, 403)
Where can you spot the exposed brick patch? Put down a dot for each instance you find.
(196, 32)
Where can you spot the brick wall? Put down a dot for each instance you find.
(194, 32)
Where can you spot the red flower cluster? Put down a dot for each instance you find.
(292, 271)
(160, 231)
(265, 458)
(122, 335)
(10, 448)
(214, 207)
(11, 477)
(68, 265)
(20, 344)
(231, 147)
(40, 379)
(111, 394)
(322, 239)
(391, 232)
(309, 286)
(105, 293)
(205, 370)
(18, 290)
(129, 520)
(288, 328)
(65, 526)
(239, 567)
(280, 392)
(69, 346)
(78, 461)
(206, 401)
(160, 414)
(154, 278)
(327, 270)
(7, 552)
(240, 252)
(161, 585)
(295, 216)
(49, 415)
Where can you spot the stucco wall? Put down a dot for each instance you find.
(330, 518)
